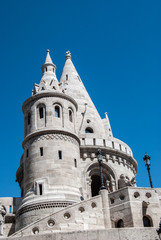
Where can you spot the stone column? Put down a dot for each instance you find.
(105, 208)
(89, 191)
(113, 183)
(108, 185)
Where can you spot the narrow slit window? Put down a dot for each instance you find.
(40, 189)
(41, 112)
(29, 119)
(57, 112)
(10, 209)
(41, 151)
(66, 76)
(51, 82)
(60, 154)
(120, 147)
(75, 163)
(70, 116)
(27, 153)
(113, 145)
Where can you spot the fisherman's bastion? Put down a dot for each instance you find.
(77, 180)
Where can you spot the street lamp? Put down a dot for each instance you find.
(159, 230)
(146, 159)
(99, 154)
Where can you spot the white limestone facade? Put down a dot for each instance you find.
(59, 174)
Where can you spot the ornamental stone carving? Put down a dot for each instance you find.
(51, 136)
(123, 182)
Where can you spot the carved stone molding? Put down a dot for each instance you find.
(38, 206)
(48, 94)
(50, 135)
(112, 155)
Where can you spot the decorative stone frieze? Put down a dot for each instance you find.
(50, 137)
(42, 205)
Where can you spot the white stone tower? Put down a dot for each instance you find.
(49, 174)
(63, 132)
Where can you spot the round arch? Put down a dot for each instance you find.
(147, 221)
(119, 224)
(109, 178)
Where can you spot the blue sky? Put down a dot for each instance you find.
(116, 49)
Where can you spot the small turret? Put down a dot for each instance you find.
(107, 126)
(48, 66)
(49, 80)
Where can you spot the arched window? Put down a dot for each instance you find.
(147, 222)
(70, 115)
(29, 118)
(88, 130)
(119, 224)
(95, 185)
(41, 115)
(41, 112)
(57, 111)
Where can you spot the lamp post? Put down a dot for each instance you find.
(146, 159)
(99, 154)
(159, 230)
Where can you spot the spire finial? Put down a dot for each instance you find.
(106, 114)
(47, 50)
(68, 55)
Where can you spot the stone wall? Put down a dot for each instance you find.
(112, 234)
(131, 204)
(81, 216)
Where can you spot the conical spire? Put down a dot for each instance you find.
(48, 59)
(87, 115)
(48, 62)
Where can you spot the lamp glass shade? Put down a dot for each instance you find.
(147, 160)
(99, 157)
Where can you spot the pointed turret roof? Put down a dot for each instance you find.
(87, 115)
(49, 80)
(48, 59)
(48, 62)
